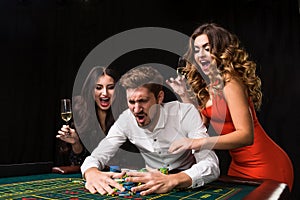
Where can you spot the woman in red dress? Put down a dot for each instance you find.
(223, 83)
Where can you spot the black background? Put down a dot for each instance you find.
(44, 42)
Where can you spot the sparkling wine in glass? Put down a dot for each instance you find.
(181, 66)
(66, 110)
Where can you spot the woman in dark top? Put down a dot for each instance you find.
(94, 112)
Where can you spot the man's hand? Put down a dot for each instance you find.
(102, 182)
(152, 182)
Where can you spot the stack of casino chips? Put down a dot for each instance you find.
(128, 185)
(164, 170)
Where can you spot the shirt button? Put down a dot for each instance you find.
(159, 152)
(155, 140)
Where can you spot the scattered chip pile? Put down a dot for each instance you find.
(128, 185)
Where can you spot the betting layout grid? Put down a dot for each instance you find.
(73, 188)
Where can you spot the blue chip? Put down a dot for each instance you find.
(114, 168)
(128, 183)
(128, 187)
(124, 194)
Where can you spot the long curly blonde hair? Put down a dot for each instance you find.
(230, 61)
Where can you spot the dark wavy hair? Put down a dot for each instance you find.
(85, 106)
(85, 118)
(231, 60)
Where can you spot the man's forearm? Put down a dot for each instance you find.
(180, 180)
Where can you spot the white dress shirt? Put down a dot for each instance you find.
(177, 120)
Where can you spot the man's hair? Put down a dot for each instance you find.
(143, 76)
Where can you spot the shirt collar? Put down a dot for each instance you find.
(162, 118)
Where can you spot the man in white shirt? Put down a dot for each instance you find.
(152, 126)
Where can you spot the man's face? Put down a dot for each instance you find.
(143, 104)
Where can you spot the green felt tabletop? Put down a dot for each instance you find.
(66, 186)
(17, 179)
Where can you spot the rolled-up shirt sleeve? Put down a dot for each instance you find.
(205, 170)
(90, 162)
(105, 150)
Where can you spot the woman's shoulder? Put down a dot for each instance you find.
(235, 92)
(234, 85)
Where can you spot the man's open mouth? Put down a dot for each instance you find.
(141, 118)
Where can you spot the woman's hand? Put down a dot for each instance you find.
(185, 144)
(178, 85)
(68, 135)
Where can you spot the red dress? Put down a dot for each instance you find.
(264, 159)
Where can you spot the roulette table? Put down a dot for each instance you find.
(71, 186)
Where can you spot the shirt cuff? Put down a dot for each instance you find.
(88, 163)
(197, 179)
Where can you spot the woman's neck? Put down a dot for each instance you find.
(101, 118)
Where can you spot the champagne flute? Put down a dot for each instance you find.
(181, 66)
(66, 110)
